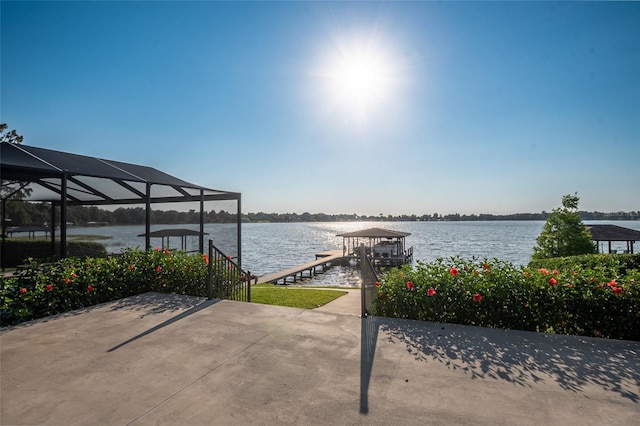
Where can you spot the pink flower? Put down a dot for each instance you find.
(612, 283)
(543, 271)
(205, 257)
(158, 249)
(89, 288)
(553, 281)
(453, 271)
(527, 274)
(167, 251)
(485, 266)
(48, 287)
(477, 297)
(431, 292)
(569, 285)
(67, 280)
(377, 283)
(73, 275)
(23, 290)
(616, 290)
(555, 272)
(159, 269)
(131, 267)
(409, 285)
(476, 272)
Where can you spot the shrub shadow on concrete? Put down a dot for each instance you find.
(522, 358)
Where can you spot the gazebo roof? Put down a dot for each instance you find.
(95, 181)
(179, 232)
(375, 233)
(613, 233)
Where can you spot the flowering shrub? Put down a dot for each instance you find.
(40, 290)
(594, 301)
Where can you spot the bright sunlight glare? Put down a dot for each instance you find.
(360, 79)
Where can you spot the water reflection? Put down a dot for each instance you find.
(271, 247)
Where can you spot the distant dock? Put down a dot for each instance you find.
(292, 275)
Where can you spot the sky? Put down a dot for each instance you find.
(341, 107)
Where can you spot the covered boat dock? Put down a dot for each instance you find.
(384, 246)
(610, 233)
(167, 233)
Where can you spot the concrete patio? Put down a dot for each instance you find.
(169, 360)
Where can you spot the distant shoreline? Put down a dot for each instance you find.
(93, 216)
(322, 217)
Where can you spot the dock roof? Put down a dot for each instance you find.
(613, 233)
(179, 232)
(374, 233)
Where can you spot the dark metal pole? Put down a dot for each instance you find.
(63, 218)
(201, 239)
(53, 228)
(248, 286)
(210, 272)
(4, 230)
(147, 219)
(239, 221)
(363, 286)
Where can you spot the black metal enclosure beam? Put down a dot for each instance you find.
(107, 183)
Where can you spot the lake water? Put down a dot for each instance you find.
(270, 247)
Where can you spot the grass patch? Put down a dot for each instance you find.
(74, 237)
(305, 298)
(88, 237)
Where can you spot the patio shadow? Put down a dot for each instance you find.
(368, 340)
(522, 357)
(201, 305)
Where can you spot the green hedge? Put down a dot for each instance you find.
(16, 251)
(613, 263)
(42, 289)
(582, 296)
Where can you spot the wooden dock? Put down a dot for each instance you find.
(310, 268)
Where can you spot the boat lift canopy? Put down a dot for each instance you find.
(384, 245)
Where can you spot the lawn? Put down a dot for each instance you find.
(306, 298)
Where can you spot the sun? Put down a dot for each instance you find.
(360, 78)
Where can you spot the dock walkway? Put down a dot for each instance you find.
(297, 272)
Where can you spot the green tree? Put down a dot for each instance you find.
(11, 189)
(11, 136)
(564, 234)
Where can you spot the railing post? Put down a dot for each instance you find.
(248, 286)
(369, 277)
(363, 278)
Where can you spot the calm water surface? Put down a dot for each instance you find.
(270, 247)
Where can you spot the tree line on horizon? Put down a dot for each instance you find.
(23, 213)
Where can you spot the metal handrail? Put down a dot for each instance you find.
(231, 282)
